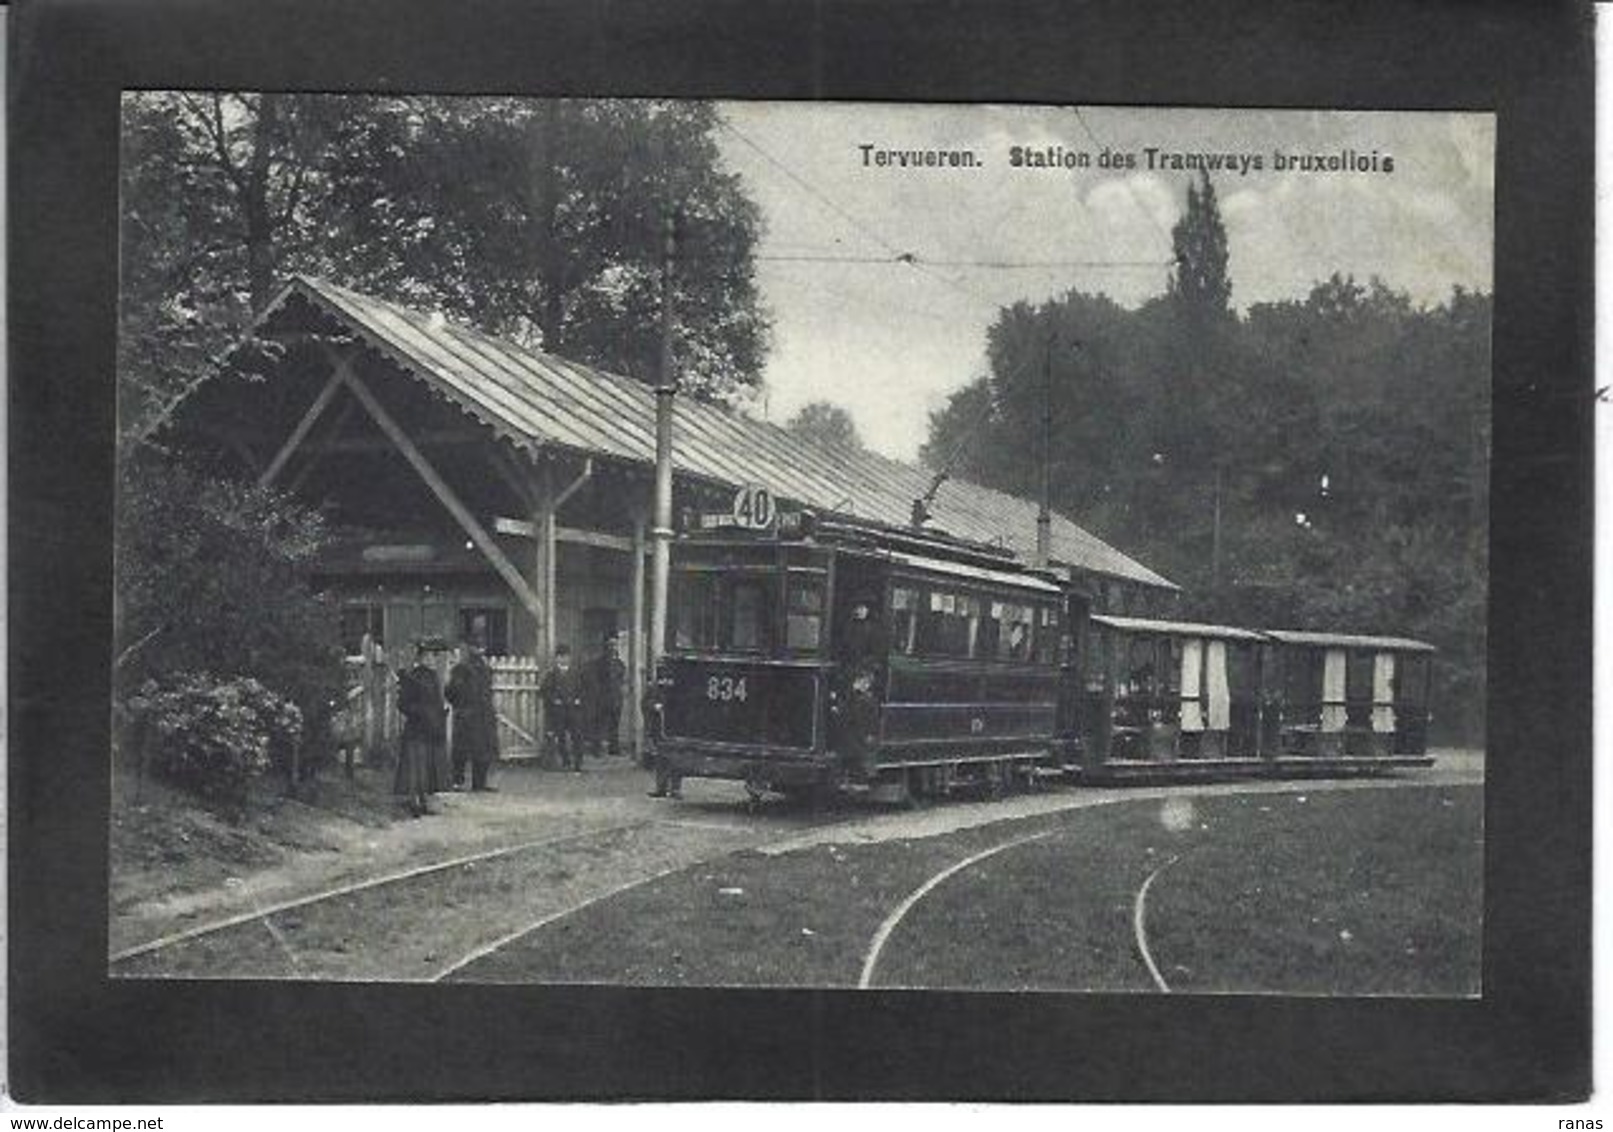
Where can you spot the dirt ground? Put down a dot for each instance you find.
(175, 864)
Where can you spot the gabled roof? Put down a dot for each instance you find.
(540, 400)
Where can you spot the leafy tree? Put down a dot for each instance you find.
(541, 220)
(1321, 462)
(544, 221)
(1199, 284)
(826, 423)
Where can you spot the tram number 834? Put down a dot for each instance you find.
(726, 688)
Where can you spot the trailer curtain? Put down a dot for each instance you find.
(1215, 686)
(1192, 682)
(1333, 697)
(1383, 693)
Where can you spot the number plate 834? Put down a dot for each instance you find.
(726, 688)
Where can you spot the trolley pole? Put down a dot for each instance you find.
(1044, 514)
(666, 387)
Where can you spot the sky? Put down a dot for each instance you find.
(889, 340)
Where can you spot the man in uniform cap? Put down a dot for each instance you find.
(470, 694)
(562, 694)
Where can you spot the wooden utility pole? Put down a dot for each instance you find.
(1044, 514)
(665, 389)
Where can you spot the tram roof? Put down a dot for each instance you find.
(539, 400)
(1348, 641)
(974, 573)
(1177, 628)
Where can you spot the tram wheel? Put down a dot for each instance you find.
(996, 781)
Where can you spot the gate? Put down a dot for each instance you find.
(368, 721)
(515, 699)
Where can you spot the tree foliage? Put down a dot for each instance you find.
(826, 424)
(539, 220)
(1319, 462)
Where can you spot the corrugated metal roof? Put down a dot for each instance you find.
(1349, 641)
(1176, 628)
(537, 399)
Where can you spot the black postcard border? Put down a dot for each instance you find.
(78, 1037)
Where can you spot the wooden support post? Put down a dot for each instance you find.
(445, 495)
(635, 641)
(543, 580)
(300, 433)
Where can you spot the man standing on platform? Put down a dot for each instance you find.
(602, 691)
(563, 706)
(470, 694)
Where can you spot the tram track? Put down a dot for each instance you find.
(728, 837)
(259, 912)
(530, 866)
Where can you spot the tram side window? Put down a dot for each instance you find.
(1411, 680)
(1140, 675)
(944, 624)
(1047, 635)
(803, 614)
(904, 619)
(1017, 632)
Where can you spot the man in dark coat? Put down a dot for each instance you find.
(422, 759)
(602, 692)
(470, 694)
(564, 717)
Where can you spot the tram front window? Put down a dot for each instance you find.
(803, 617)
(713, 611)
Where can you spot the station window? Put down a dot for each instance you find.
(489, 624)
(357, 620)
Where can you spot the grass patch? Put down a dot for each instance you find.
(1370, 893)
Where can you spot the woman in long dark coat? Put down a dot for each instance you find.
(422, 754)
(470, 694)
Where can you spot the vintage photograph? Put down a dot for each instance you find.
(683, 543)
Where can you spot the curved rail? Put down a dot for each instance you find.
(262, 912)
(871, 960)
(1139, 912)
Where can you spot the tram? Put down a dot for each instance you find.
(821, 655)
(806, 656)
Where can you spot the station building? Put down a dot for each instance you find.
(480, 487)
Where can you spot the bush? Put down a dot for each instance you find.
(214, 576)
(212, 736)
